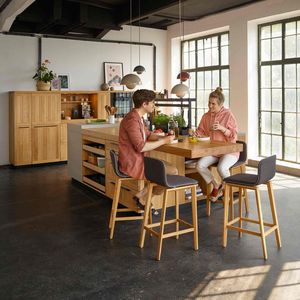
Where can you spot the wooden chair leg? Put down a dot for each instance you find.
(146, 216)
(162, 225)
(240, 210)
(226, 206)
(208, 204)
(274, 213)
(195, 217)
(177, 213)
(246, 201)
(231, 203)
(114, 208)
(261, 224)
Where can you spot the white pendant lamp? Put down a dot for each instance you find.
(131, 80)
(139, 69)
(180, 90)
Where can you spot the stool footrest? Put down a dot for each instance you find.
(271, 230)
(129, 218)
(173, 233)
(244, 230)
(248, 220)
(124, 209)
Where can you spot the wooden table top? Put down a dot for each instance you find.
(184, 148)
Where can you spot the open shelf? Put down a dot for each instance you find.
(94, 184)
(94, 167)
(94, 150)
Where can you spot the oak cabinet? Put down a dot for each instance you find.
(45, 109)
(37, 132)
(63, 141)
(22, 142)
(45, 143)
(34, 127)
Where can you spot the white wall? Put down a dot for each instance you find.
(242, 24)
(82, 60)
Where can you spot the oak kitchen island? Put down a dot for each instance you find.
(96, 144)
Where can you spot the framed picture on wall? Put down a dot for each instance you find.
(55, 84)
(113, 73)
(64, 81)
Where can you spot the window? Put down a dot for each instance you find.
(279, 90)
(207, 61)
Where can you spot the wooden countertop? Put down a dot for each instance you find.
(185, 148)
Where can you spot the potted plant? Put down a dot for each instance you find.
(43, 76)
(183, 130)
(161, 122)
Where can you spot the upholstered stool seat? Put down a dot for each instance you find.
(266, 171)
(155, 173)
(120, 177)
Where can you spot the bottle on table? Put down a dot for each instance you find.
(173, 126)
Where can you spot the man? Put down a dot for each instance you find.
(135, 139)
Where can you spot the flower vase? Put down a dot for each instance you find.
(43, 86)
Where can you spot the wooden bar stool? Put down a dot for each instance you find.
(114, 209)
(155, 173)
(240, 165)
(266, 171)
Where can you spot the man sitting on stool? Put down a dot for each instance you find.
(135, 139)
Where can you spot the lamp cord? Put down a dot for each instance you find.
(130, 33)
(139, 32)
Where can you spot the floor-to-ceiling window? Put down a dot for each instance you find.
(279, 89)
(207, 60)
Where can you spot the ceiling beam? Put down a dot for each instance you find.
(95, 3)
(148, 8)
(11, 11)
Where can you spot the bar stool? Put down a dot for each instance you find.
(114, 209)
(240, 165)
(155, 173)
(266, 171)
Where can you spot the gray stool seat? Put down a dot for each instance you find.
(155, 173)
(242, 178)
(266, 171)
(177, 181)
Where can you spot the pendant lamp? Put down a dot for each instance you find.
(139, 69)
(180, 90)
(131, 80)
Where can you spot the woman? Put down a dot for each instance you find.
(220, 125)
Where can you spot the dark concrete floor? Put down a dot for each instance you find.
(54, 245)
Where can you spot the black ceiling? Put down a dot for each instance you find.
(95, 18)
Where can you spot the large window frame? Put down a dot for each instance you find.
(279, 89)
(212, 68)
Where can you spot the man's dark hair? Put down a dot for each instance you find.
(141, 96)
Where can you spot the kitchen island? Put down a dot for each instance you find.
(98, 142)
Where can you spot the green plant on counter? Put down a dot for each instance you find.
(161, 119)
(180, 120)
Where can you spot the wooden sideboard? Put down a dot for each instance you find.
(37, 133)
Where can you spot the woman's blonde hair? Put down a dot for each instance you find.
(217, 93)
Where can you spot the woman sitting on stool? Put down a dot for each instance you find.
(220, 125)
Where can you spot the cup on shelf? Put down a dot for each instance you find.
(101, 162)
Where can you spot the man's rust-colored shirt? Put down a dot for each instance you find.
(132, 138)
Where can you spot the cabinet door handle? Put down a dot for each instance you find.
(24, 126)
(37, 126)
